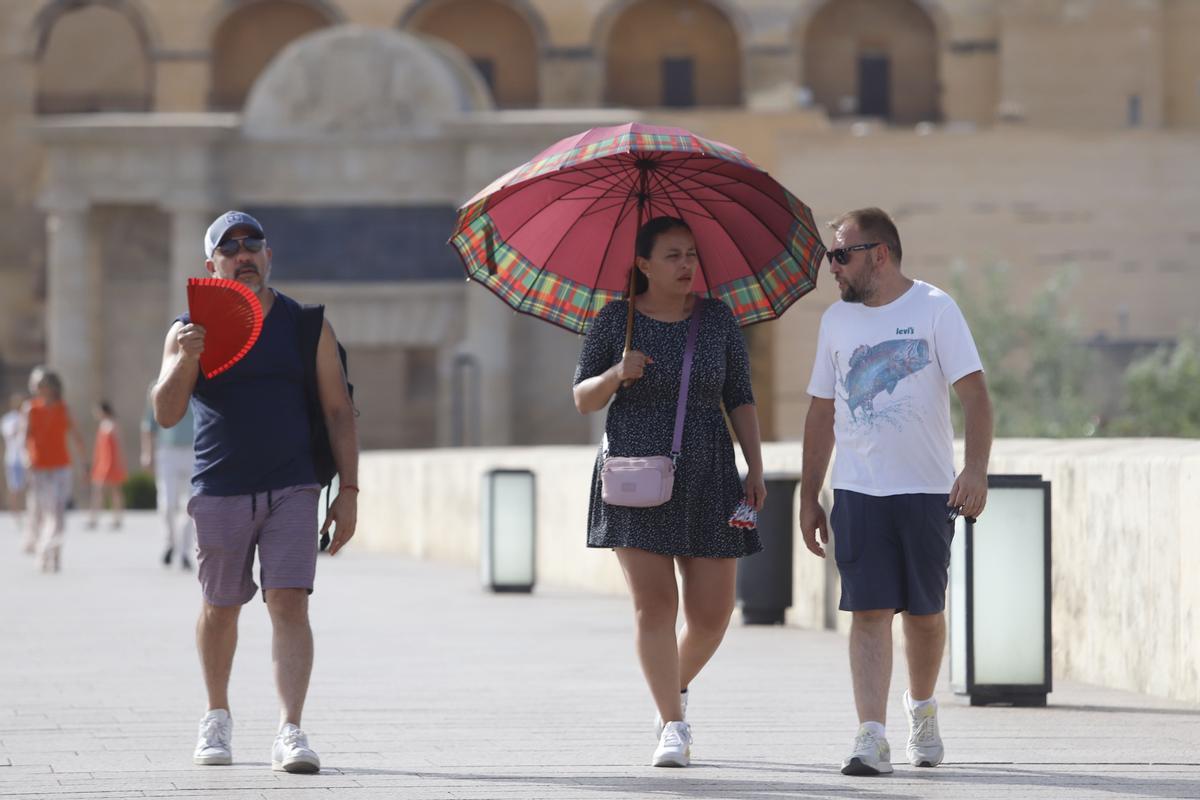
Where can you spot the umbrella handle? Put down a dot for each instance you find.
(629, 320)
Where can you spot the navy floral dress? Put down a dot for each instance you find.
(641, 421)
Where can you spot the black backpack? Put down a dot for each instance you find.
(312, 318)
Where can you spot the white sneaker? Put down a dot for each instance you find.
(291, 752)
(872, 755)
(924, 742)
(658, 723)
(216, 733)
(674, 746)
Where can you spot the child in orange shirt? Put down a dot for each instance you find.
(48, 425)
(108, 467)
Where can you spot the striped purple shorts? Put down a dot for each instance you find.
(281, 524)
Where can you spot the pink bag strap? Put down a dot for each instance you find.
(686, 378)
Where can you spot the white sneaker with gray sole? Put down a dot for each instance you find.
(291, 752)
(214, 747)
(674, 746)
(872, 755)
(924, 742)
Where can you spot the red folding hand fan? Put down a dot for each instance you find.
(232, 318)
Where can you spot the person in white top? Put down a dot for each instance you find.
(887, 355)
(12, 429)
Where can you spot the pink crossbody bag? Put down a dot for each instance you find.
(646, 481)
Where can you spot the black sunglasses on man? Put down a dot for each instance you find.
(842, 254)
(253, 244)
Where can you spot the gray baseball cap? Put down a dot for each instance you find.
(224, 224)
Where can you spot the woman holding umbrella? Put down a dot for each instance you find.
(725, 246)
(693, 528)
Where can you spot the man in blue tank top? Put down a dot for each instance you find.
(255, 487)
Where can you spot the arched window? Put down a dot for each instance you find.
(495, 37)
(673, 53)
(93, 57)
(247, 40)
(873, 58)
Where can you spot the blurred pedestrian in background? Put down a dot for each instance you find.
(108, 466)
(170, 454)
(48, 427)
(12, 431)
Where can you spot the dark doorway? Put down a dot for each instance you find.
(487, 69)
(678, 82)
(874, 85)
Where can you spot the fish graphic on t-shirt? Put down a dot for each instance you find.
(878, 368)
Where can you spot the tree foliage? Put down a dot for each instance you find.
(1036, 364)
(1162, 392)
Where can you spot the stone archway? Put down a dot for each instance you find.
(502, 41)
(673, 53)
(248, 38)
(873, 58)
(93, 57)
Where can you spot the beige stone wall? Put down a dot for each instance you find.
(653, 30)
(1033, 56)
(488, 30)
(247, 40)
(970, 68)
(1076, 65)
(1126, 613)
(75, 75)
(902, 32)
(1182, 75)
(22, 236)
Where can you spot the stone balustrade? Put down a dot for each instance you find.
(1126, 614)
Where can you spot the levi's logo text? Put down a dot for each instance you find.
(905, 331)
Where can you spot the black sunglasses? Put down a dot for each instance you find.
(229, 247)
(842, 254)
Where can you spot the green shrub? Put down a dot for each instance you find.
(139, 491)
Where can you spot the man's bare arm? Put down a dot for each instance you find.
(337, 407)
(343, 438)
(970, 488)
(818, 447)
(178, 375)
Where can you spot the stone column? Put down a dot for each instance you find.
(189, 221)
(489, 340)
(73, 309)
(571, 77)
(770, 78)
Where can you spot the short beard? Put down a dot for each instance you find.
(855, 294)
(860, 293)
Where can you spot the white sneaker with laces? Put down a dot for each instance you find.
(872, 755)
(674, 746)
(216, 734)
(658, 723)
(924, 742)
(291, 752)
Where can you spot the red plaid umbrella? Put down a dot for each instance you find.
(555, 237)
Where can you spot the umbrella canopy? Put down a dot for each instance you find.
(555, 237)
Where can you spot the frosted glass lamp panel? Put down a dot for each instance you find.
(509, 506)
(1009, 589)
(958, 605)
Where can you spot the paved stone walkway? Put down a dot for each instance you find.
(427, 687)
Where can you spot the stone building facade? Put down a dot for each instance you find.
(1035, 132)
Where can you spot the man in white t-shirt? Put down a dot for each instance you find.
(887, 354)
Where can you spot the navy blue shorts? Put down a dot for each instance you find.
(892, 552)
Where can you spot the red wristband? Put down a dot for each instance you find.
(347, 486)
